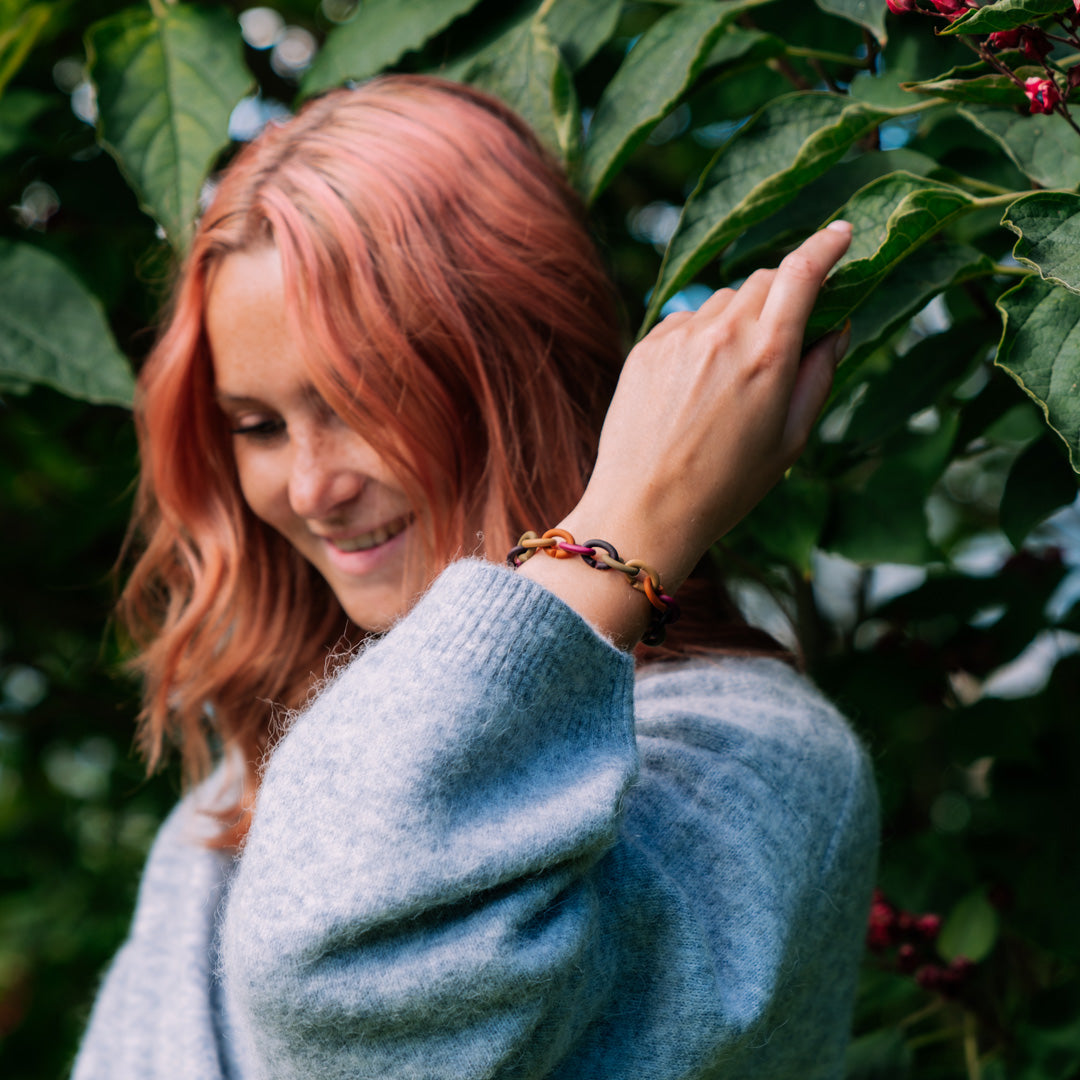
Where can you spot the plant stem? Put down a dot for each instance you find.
(921, 1014)
(829, 57)
(971, 1047)
(1001, 270)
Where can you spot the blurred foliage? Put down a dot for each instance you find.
(924, 547)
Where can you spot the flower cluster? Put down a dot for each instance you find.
(1046, 93)
(911, 938)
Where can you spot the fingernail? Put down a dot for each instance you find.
(843, 341)
(840, 225)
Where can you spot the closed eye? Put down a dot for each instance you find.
(258, 429)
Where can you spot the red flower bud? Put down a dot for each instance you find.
(899, 7)
(951, 9)
(1035, 44)
(1004, 39)
(1043, 94)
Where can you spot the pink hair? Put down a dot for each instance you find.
(437, 262)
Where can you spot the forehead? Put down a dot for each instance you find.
(246, 324)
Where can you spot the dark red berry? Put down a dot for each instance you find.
(928, 926)
(907, 958)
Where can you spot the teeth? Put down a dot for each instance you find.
(373, 538)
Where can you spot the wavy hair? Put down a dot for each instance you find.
(439, 265)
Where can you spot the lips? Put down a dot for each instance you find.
(374, 538)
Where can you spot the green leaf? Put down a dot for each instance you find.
(912, 382)
(976, 83)
(879, 1055)
(1040, 349)
(377, 37)
(738, 46)
(1004, 15)
(1043, 146)
(892, 217)
(53, 330)
(817, 202)
(867, 13)
(529, 74)
(1048, 225)
(908, 289)
(18, 110)
(786, 524)
(762, 167)
(1039, 483)
(167, 81)
(882, 517)
(970, 929)
(655, 74)
(581, 30)
(19, 37)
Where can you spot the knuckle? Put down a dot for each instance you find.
(799, 266)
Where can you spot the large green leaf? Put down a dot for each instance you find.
(817, 202)
(53, 330)
(1048, 225)
(530, 75)
(380, 33)
(1004, 15)
(19, 37)
(892, 217)
(1044, 146)
(763, 166)
(167, 81)
(867, 13)
(970, 930)
(655, 74)
(1040, 349)
(581, 29)
(1039, 483)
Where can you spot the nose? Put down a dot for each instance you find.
(323, 476)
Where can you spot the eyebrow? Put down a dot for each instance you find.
(308, 393)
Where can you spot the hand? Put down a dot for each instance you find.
(710, 410)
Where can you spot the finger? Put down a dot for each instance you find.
(812, 385)
(799, 279)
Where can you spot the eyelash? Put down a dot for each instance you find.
(261, 430)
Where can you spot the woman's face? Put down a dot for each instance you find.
(302, 469)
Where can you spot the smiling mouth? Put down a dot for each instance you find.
(368, 540)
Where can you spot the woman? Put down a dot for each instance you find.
(390, 353)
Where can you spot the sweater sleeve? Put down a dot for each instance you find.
(452, 872)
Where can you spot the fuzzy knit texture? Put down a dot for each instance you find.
(486, 850)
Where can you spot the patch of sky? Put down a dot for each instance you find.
(688, 299)
(252, 114)
(654, 223)
(717, 134)
(897, 133)
(673, 125)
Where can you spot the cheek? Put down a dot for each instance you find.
(264, 488)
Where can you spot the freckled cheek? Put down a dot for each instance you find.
(265, 491)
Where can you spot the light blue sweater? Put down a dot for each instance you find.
(463, 864)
